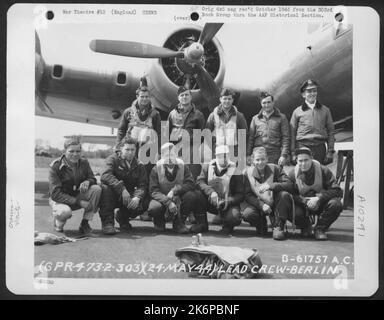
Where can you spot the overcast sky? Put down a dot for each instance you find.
(254, 55)
(55, 138)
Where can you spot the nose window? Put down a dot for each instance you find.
(57, 71)
(121, 78)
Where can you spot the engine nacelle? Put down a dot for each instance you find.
(165, 76)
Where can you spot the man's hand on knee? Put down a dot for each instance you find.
(267, 209)
(223, 205)
(134, 204)
(84, 186)
(172, 208)
(313, 203)
(214, 199)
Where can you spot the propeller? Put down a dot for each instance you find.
(40, 97)
(37, 44)
(190, 57)
(187, 83)
(209, 31)
(41, 102)
(207, 85)
(133, 49)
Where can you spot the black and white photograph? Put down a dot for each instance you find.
(192, 144)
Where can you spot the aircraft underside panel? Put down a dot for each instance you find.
(79, 111)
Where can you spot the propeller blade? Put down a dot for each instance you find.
(207, 85)
(132, 49)
(209, 31)
(187, 83)
(37, 44)
(41, 103)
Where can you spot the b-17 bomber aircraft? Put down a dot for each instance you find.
(202, 58)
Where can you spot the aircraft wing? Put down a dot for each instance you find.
(99, 97)
(92, 97)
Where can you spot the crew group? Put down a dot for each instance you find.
(308, 195)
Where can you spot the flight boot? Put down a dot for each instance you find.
(307, 231)
(145, 216)
(159, 224)
(262, 228)
(179, 226)
(85, 229)
(226, 230)
(201, 224)
(108, 225)
(278, 233)
(217, 220)
(320, 235)
(58, 225)
(125, 227)
(123, 221)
